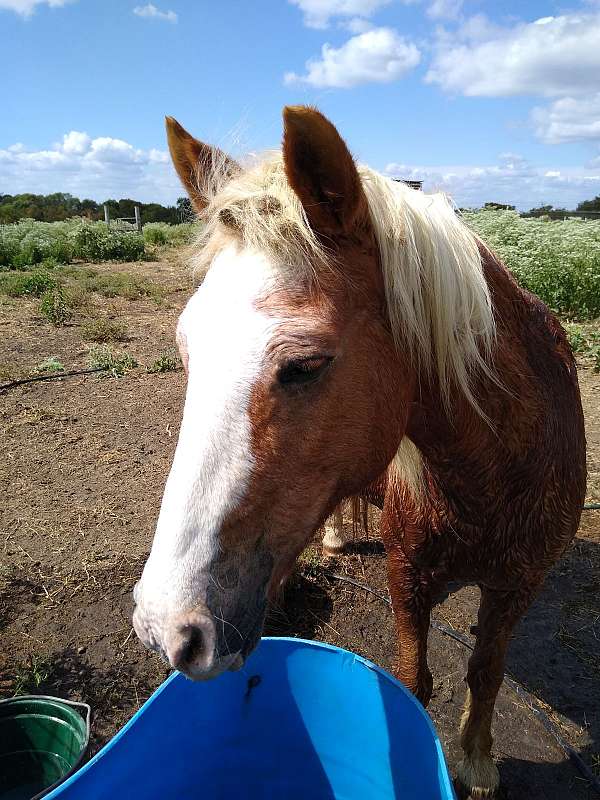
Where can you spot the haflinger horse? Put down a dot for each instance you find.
(353, 337)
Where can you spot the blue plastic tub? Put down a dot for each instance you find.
(301, 721)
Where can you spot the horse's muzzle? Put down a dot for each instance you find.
(187, 642)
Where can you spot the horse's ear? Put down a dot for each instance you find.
(321, 171)
(196, 163)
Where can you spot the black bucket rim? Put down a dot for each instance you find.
(85, 711)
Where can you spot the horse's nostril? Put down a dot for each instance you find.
(190, 643)
(192, 652)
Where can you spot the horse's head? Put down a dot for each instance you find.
(292, 401)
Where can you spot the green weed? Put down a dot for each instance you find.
(117, 364)
(50, 364)
(55, 307)
(167, 362)
(31, 674)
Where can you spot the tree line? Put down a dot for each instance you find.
(60, 206)
(549, 210)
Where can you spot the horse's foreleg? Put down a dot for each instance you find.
(333, 540)
(498, 614)
(411, 601)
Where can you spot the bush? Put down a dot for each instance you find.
(96, 242)
(54, 306)
(154, 234)
(161, 233)
(27, 243)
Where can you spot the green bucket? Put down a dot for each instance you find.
(43, 740)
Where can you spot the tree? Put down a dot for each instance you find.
(590, 205)
(498, 207)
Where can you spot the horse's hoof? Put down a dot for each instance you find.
(478, 776)
(332, 552)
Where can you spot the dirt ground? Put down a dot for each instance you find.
(82, 471)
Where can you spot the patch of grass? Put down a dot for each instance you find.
(70, 271)
(123, 284)
(50, 364)
(310, 562)
(78, 297)
(28, 284)
(167, 362)
(55, 306)
(104, 330)
(115, 363)
(31, 674)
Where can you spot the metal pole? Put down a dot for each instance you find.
(106, 216)
(138, 218)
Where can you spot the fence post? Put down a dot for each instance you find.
(138, 218)
(106, 216)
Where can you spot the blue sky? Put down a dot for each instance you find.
(483, 102)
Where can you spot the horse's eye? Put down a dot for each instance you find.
(303, 370)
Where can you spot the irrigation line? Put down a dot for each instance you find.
(530, 700)
(6, 386)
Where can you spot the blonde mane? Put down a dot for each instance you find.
(438, 300)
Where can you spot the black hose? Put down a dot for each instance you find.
(6, 386)
(530, 701)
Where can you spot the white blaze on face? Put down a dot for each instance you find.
(226, 338)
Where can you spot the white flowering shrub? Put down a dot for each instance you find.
(558, 260)
(29, 242)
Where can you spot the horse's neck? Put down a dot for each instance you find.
(454, 435)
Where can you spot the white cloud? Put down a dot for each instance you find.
(75, 142)
(150, 11)
(98, 167)
(376, 56)
(512, 181)
(445, 9)
(569, 119)
(357, 25)
(317, 13)
(27, 7)
(553, 56)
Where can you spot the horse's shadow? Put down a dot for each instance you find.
(302, 608)
(555, 655)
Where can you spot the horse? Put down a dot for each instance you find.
(353, 337)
